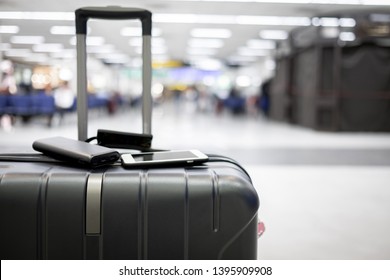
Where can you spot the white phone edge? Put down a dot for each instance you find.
(128, 160)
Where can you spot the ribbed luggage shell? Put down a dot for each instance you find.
(205, 212)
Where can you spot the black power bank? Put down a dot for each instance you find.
(75, 151)
(125, 140)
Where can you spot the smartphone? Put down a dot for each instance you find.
(75, 151)
(169, 158)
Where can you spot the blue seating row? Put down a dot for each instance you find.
(27, 105)
(39, 104)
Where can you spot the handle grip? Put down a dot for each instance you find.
(113, 13)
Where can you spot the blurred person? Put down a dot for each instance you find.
(252, 104)
(191, 96)
(217, 100)
(64, 99)
(114, 101)
(235, 101)
(264, 100)
(203, 100)
(8, 82)
(7, 87)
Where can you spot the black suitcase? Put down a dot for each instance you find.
(56, 211)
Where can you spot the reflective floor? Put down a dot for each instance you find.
(323, 195)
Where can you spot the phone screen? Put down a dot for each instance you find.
(190, 157)
(164, 156)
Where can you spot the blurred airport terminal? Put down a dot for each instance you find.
(298, 91)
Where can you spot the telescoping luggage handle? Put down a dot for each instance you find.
(114, 13)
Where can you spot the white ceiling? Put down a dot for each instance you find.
(176, 34)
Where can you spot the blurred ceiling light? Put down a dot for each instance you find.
(270, 64)
(113, 56)
(237, 59)
(333, 22)
(160, 58)
(95, 41)
(27, 39)
(5, 46)
(65, 74)
(329, 21)
(375, 2)
(347, 36)
(201, 51)
(347, 22)
(9, 29)
(38, 15)
(160, 50)
(315, 21)
(137, 31)
(91, 41)
(273, 34)
(224, 81)
(197, 18)
(17, 53)
(37, 58)
(261, 44)
(230, 19)
(243, 81)
(217, 19)
(273, 20)
(322, 2)
(175, 18)
(65, 53)
(190, 58)
(209, 81)
(48, 48)
(63, 30)
(211, 33)
(330, 32)
(258, 1)
(156, 42)
(207, 64)
(244, 51)
(136, 62)
(155, 50)
(131, 31)
(157, 90)
(206, 43)
(101, 49)
(282, 1)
